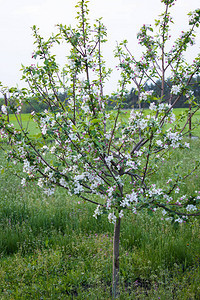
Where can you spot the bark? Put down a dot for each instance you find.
(115, 282)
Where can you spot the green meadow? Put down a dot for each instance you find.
(29, 124)
(53, 248)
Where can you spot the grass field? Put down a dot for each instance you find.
(52, 247)
(34, 130)
(27, 123)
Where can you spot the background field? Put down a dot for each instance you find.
(53, 248)
(34, 130)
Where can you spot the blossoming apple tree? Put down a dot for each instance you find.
(89, 150)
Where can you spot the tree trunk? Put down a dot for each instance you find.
(115, 282)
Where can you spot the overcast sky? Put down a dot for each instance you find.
(123, 19)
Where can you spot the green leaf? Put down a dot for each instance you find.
(94, 121)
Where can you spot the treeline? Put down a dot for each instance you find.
(35, 104)
(130, 99)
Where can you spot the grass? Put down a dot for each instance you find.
(34, 130)
(53, 248)
(27, 122)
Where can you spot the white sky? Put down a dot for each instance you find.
(123, 19)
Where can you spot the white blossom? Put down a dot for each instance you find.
(49, 191)
(144, 95)
(27, 168)
(154, 191)
(4, 109)
(112, 218)
(138, 153)
(40, 182)
(187, 145)
(130, 198)
(161, 107)
(85, 107)
(63, 182)
(108, 160)
(131, 164)
(72, 63)
(78, 188)
(52, 150)
(19, 109)
(191, 207)
(58, 115)
(177, 190)
(142, 124)
(79, 177)
(179, 220)
(189, 94)
(108, 203)
(23, 182)
(44, 129)
(97, 212)
(53, 122)
(159, 143)
(174, 138)
(46, 170)
(121, 214)
(133, 115)
(152, 106)
(134, 210)
(110, 191)
(175, 90)
(108, 135)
